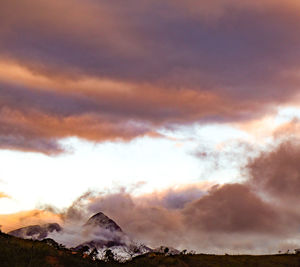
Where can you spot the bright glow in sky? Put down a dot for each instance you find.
(157, 163)
(160, 163)
(32, 179)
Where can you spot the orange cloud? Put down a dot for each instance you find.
(103, 72)
(3, 195)
(10, 222)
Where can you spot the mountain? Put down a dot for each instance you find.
(104, 232)
(107, 234)
(104, 222)
(99, 232)
(37, 232)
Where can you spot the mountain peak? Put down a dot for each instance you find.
(36, 231)
(103, 221)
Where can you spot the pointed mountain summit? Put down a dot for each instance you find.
(103, 221)
(105, 234)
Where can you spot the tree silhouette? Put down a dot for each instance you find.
(93, 254)
(109, 255)
(83, 250)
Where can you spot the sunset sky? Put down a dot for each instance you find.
(183, 116)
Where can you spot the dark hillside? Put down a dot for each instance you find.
(16, 252)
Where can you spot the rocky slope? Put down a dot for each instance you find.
(36, 232)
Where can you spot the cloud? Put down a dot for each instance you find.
(234, 217)
(209, 218)
(106, 72)
(232, 208)
(277, 172)
(231, 217)
(3, 195)
(11, 222)
(258, 215)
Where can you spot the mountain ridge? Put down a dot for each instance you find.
(37, 232)
(101, 233)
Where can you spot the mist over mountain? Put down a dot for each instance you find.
(99, 232)
(36, 232)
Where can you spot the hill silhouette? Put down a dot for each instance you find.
(23, 253)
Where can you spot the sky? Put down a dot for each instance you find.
(172, 117)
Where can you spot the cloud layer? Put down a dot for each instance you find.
(107, 71)
(259, 215)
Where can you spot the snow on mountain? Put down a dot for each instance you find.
(99, 232)
(109, 235)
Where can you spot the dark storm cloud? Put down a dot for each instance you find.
(235, 53)
(130, 70)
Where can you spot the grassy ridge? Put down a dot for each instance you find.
(219, 261)
(15, 252)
